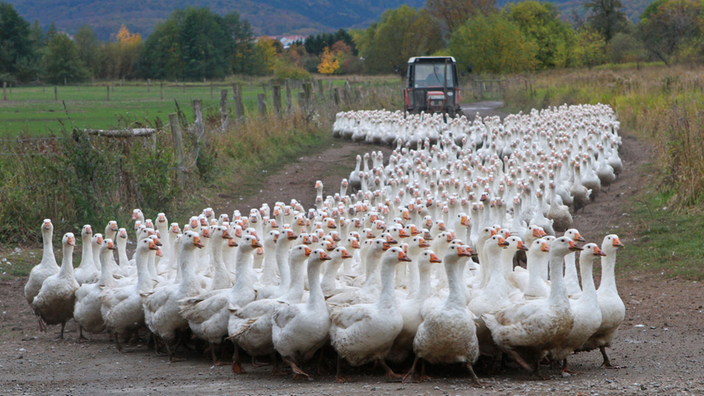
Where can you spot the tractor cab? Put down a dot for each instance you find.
(432, 85)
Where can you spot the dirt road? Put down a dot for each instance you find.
(661, 341)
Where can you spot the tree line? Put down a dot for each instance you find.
(195, 43)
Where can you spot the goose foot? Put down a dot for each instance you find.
(536, 373)
(42, 325)
(390, 375)
(236, 365)
(607, 363)
(338, 377)
(276, 370)
(81, 337)
(520, 360)
(341, 380)
(216, 361)
(298, 374)
(565, 372)
(255, 363)
(61, 334)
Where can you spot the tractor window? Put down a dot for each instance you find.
(432, 75)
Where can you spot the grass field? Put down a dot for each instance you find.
(33, 111)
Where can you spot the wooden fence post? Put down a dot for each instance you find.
(162, 90)
(336, 96)
(239, 106)
(264, 88)
(149, 84)
(198, 123)
(276, 97)
(178, 147)
(112, 86)
(261, 105)
(308, 89)
(289, 103)
(108, 89)
(4, 93)
(211, 90)
(223, 109)
(302, 100)
(56, 93)
(320, 88)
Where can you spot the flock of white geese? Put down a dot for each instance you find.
(476, 268)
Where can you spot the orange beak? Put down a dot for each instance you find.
(541, 232)
(111, 245)
(579, 238)
(232, 243)
(100, 240)
(324, 256)
(493, 232)
(123, 233)
(617, 243)
(403, 257)
(434, 258)
(599, 252)
(307, 250)
(502, 242)
(386, 246)
(336, 237)
(450, 236)
(71, 241)
(346, 254)
(545, 248)
(256, 244)
(391, 240)
(522, 246)
(197, 242)
(442, 227)
(226, 235)
(402, 233)
(291, 235)
(462, 252)
(355, 243)
(414, 231)
(574, 247)
(465, 221)
(423, 243)
(153, 246)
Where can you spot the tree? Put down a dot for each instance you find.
(493, 44)
(454, 13)
(669, 26)
(88, 47)
(328, 63)
(541, 22)
(62, 61)
(590, 48)
(606, 17)
(625, 48)
(15, 44)
(400, 34)
(315, 44)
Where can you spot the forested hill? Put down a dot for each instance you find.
(270, 17)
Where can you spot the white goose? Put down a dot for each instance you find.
(299, 330)
(448, 332)
(86, 311)
(87, 271)
(46, 268)
(612, 308)
(161, 310)
(352, 326)
(56, 298)
(528, 331)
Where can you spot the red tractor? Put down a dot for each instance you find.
(432, 85)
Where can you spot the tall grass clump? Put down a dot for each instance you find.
(664, 106)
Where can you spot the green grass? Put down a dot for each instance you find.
(32, 111)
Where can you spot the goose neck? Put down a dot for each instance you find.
(144, 278)
(282, 249)
(608, 274)
(387, 299)
(558, 291)
(187, 260)
(67, 262)
(106, 278)
(316, 297)
(586, 268)
(456, 297)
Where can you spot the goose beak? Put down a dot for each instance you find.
(336, 238)
(391, 240)
(541, 232)
(276, 237)
(153, 246)
(386, 246)
(465, 221)
(451, 236)
(88, 230)
(579, 238)
(291, 235)
(545, 248)
(346, 254)
(226, 235)
(617, 243)
(599, 252)
(522, 246)
(355, 243)
(197, 242)
(442, 227)
(238, 232)
(99, 239)
(260, 251)
(232, 243)
(574, 247)
(114, 227)
(159, 252)
(402, 233)
(307, 250)
(331, 246)
(502, 242)
(493, 232)
(135, 216)
(434, 258)
(111, 245)
(423, 243)
(403, 257)
(414, 231)
(47, 224)
(324, 256)
(462, 252)
(256, 244)
(71, 241)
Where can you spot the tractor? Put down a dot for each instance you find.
(432, 86)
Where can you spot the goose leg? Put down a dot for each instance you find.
(172, 359)
(536, 371)
(423, 377)
(276, 370)
(390, 375)
(607, 363)
(117, 342)
(81, 337)
(412, 371)
(339, 378)
(475, 379)
(236, 364)
(42, 325)
(321, 362)
(61, 335)
(216, 361)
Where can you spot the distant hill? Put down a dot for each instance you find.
(268, 17)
